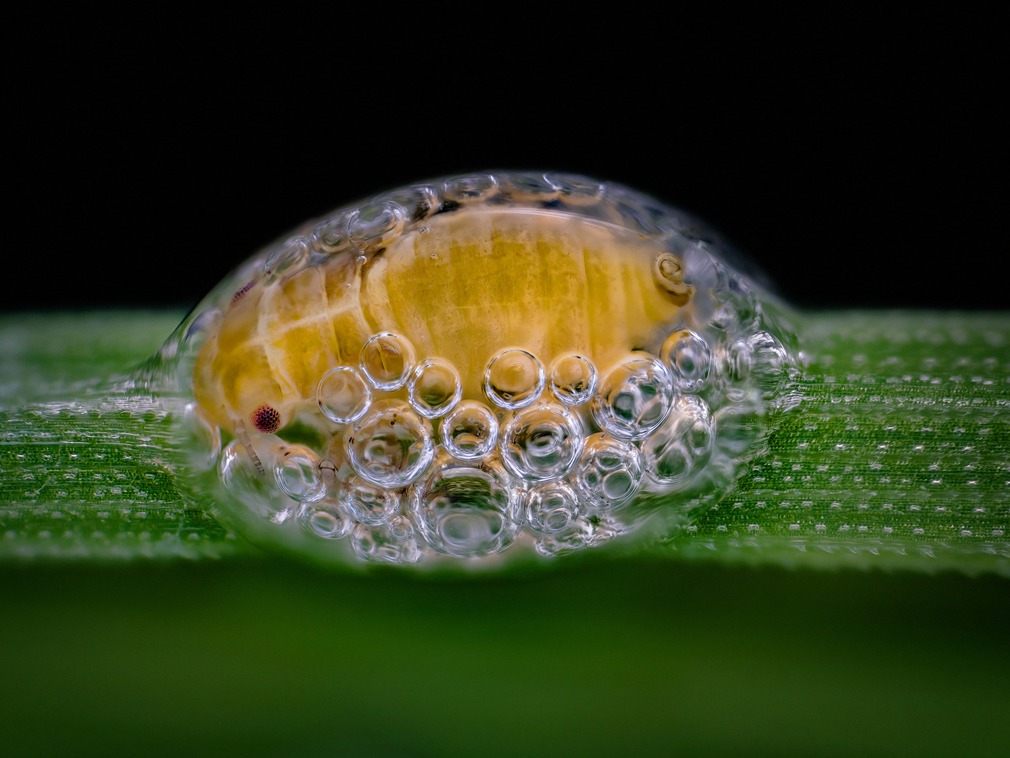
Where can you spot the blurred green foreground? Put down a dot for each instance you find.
(595, 655)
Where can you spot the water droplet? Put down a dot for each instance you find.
(434, 387)
(689, 358)
(391, 446)
(551, 507)
(326, 518)
(541, 442)
(513, 379)
(609, 471)
(470, 431)
(466, 510)
(370, 504)
(682, 446)
(342, 395)
(389, 543)
(386, 360)
(634, 398)
(573, 379)
(297, 473)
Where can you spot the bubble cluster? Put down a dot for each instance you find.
(377, 446)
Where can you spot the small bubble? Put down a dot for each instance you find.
(386, 360)
(541, 442)
(529, 187)
(298, 476)
(434, 387)
(391, 446)
(242, 472)
(326, 518)
(470, 431)
(634, 398)
(377, 221)
(573, 379)
(370, 504)
(552, 507)
(342, 395)
(202, 441)
(513, 379)
(682, 445)
(466, 189)
(288, 258)
(331, 236)
(576, 190)
(689, 358)
(389, 543)
(609, 471)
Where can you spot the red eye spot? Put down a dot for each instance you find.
(241, 291)
(266, 419)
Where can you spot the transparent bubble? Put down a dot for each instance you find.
(469, 431)
(535, 187)
(391, 446)
(201, 438)
(326, 518)
(434, 387)
(468, 189)
(288, 259)
(609, 471)
(683, 445)
(386, 360)
(634, 398)
(342, 395)
(541, 442)
(331, 236)
(389, 543)
(576, 190)
(296, 470)
(374, 222)
(418, 202)
(587, 531)
(465, 510)
(243, 470)
(552, 507)
(370, 504)
(689, 358)
(573, 379)
(513, 379)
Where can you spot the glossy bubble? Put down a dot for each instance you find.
(513, 379)
(391, 446)
(541, 442)
(389, 543)
(552, 507)
(586, 532)
(529, 187)
(296, 470)
(634, 398)
(369, 503)
(331, 236)
(577, 190)
(245, 470)
(465, 510)
(434, 387)
(573, 379)
(386, 360)
(469, 189)
(342, 395)
(374, 222)
(288, 259)
(689, 359)
(683, 445)
(326, 518)
(469, 431)
(201, 438)
(609, 471)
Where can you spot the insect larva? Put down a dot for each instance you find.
(451, 367)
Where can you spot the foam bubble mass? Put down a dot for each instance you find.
(476, 368)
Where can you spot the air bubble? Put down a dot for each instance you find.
(683, 445)
(576, 190)
(331, 236)
(297, 473)
(326, 518)
(342, 395)
(288, 258)
(243, 473)
(202, 438)
(376, 221)
(466, 510)
(391, 446)
(470, 431)
(419, 202)
(530, 187)
(370, 504)
(573, 379)
(466, 189)
(386, 360)
(635, 398)
(609, 471)
(552, 507)
(390, 543)
(689, 358)
(588, 531)
(434, 387)
(513, 379)
(542, 442)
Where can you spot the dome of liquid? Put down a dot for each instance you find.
(488, 365)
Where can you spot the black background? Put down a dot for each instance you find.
(860, 161)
